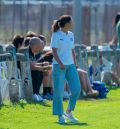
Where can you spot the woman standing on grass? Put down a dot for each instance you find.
(62, 43)
(116, 36)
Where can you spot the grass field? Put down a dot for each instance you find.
(93, 114)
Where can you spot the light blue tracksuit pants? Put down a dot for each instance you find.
(59, 77)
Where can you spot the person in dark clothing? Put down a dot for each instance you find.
(31, 34)
(47, 57)
(26, 41)
(37, 69)
(18, 42)
(42, 57)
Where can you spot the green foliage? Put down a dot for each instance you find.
(93, 114)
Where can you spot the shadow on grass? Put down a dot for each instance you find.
(6, 104)
(73, 124)
(23, 103)
(113, 87)
(1, 106)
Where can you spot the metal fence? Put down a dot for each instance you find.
(15, 86)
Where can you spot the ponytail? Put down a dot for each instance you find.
(60, 23)
(117, 19)
(55, 26)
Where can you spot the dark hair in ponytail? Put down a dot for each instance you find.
(117, 18)
(55, 26)
(61, 22)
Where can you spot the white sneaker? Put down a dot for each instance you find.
(61, 119)
(66, 95)
(35, 97)
(38, 98)
(41, 99)
(70, 117)
(92, 93)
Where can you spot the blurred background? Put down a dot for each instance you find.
(93, 19)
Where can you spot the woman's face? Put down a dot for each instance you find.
(69, 25)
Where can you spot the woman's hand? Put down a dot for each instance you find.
(54, 50)
(62, 66)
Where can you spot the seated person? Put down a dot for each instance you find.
(42, 57)
(85, 83)
(46, 57)
(84, 79)
(36, 46)
(18, 41)
(47, 83)
(31, 34)
(26, 41)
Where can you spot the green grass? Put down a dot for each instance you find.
(93, 114)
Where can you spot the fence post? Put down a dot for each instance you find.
(81, 56)
(84, 58)
(77, 20)
(26, 74)
(78, 55)
(20, 58)
(117, 63)
(1, 49)
(13, 75)
(95, 63)
(114, 56)
(4, 80)
(107, 55)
